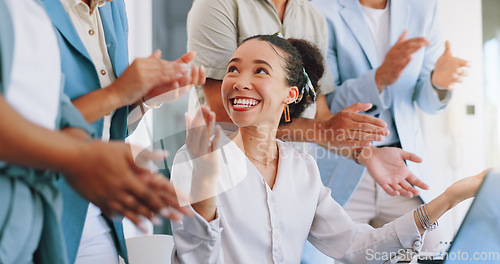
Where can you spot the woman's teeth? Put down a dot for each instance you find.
(243, 103)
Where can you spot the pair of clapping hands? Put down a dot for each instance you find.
(387, 165)
(107, 174)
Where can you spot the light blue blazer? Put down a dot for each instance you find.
(82, 78)
(16, 181)
(352, 59)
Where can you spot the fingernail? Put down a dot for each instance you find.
(143, 226)
(176, 217)
(202, 68)
(117, 218)
(161, 152)
(157, 221)
(165, 212)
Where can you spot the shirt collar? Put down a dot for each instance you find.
(71, 4)
(94, 4)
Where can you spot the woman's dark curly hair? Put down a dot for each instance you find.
(298, 54)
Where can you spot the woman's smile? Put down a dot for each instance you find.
(244, 103)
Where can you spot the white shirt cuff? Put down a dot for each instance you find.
(201, 228)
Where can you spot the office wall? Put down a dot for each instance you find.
(491, 54)
(140, 28)
(159, 24)
(169, 35)
(455, 139)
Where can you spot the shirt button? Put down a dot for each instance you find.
(103, 72)
(91, 32)
(417, 243)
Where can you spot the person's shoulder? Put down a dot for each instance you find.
(208, 12)
(308, 6)
(326, 5)
(420, 11)
(214, 4)
(327, 8)
(117, 4)
(422, 2)
(422, 5)
(117, 11)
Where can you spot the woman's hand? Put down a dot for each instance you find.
(465, 188)
(204, 155)
(461, 190)
(200, 146)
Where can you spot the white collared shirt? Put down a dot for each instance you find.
(88, 25)
(257, 224)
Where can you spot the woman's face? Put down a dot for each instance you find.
(254, 89)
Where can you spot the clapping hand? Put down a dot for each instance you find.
(171, 91)
(396, 60)
(107, 175)
(204, 153)
(449, 70)
(348, 128)
(143, 76)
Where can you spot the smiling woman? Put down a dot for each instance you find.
(258, 200)
(289, 69)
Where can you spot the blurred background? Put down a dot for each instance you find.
(461, 141)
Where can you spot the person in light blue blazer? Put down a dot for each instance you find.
(86, 76)
(391, 54)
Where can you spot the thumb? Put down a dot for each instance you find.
(186, 58)
(358, 107)
(447, 48)
(216, 140)
(403, 36)
(189, 119)
(156, 54)
(411, 157)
